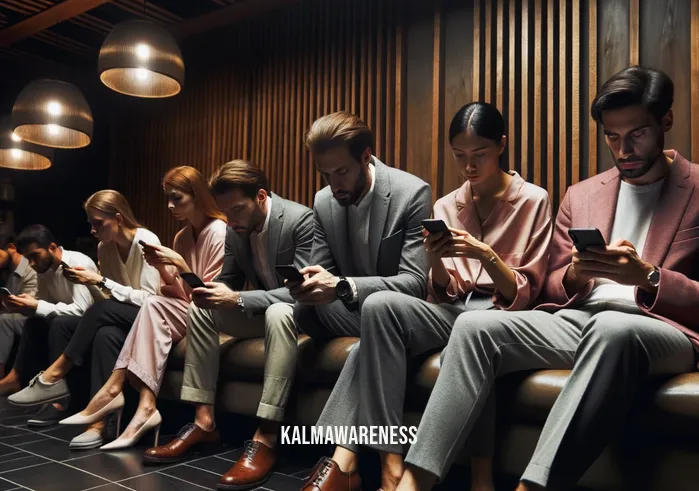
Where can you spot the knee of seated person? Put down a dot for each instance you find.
(611, 328)
(384, 300)
(279, 314)
(477, 324)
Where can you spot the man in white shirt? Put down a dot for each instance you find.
(59, 300)
(19, 278)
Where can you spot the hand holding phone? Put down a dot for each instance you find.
(586, 237)
(4, 292)
(192, 280)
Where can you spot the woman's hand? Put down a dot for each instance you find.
(82, 276)
(463, 244)
(158, 255)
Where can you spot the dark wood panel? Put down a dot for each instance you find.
(665, 45)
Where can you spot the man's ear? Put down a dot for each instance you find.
(667, 121)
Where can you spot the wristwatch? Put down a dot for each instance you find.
(343, 290)
(103, 283)
(654, 277)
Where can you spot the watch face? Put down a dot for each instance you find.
(343, 289)
(654, 278)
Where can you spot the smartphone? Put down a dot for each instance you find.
(435, 226)
(192, 280)
(290, 273)
(4, 292)
(586, 237)
(143, 244)
(65, 266)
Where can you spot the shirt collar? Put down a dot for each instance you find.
(21, 269)
(366, 200)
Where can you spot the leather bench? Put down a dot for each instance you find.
(658, 449)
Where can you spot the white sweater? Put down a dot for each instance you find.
(131, 282)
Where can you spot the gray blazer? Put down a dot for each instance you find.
(290, 235)
(401, 202)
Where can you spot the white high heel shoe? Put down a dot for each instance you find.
(115, 405)
(153, 422)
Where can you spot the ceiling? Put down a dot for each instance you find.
(69, 33)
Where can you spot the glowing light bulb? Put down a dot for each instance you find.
(143, 51)
(15, 138)
(53, 129)
(16, 153)
(141, 74)
(54, 108)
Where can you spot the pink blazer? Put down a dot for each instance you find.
(518, 230)
(672, 243)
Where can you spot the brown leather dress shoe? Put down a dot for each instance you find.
(252, 469)
(181, 447)
(327, 476)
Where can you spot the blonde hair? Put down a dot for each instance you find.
(337, 130)
(190, 181)
(111, 202)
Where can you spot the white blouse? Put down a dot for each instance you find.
(131, 282)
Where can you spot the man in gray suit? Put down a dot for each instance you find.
(264, 231)
(367, 233)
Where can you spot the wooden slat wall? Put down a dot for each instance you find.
(405, 66)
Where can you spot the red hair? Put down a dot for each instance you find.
(189, 180)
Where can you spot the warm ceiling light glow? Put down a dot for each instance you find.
(53, 129)
(141, 74)
(16, 153)
(15, 138)
(143, 51)
(54, 108)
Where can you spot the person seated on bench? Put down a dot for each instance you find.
(59, 307)
(19, 278)
(494, 256)
(264, 230)
(162, 320)
(617, 313)
(121, 287)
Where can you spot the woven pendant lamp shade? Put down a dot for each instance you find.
(18, 154)
(140, 58)
(54, 114)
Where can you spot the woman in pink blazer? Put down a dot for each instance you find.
(494, 256)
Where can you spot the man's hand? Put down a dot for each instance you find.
(317, 289)
(215, 296)
(618, 262)
(22, 304)
(82, 276)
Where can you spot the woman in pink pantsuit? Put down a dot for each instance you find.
(198, 248)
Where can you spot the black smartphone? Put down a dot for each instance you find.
(65, 266)
(290, 273)
(143, 244)
(4, 292)
(586, 237)
(192, 280)
(435, 226)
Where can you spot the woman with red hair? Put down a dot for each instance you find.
(162, 321)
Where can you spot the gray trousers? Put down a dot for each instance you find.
(371, 389)
(11, 326)
(324, 322)
(611, 353)
(202, 355)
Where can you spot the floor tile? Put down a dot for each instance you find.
(6, 485)
(160, 482)
(20, 461)
(23, 439)
(55, 450)
(232, 455)
(212, 464)
(113, 466)
(281, 482)
(8, 432)
(54, 477)
(111, 487)
(6, 449)
(207, 479)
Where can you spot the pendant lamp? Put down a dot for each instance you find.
(140, 58)
(15, 153)
(54, 114)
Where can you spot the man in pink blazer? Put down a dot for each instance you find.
(615, 315)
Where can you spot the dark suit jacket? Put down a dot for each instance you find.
(290, 234)
(672, 243)
(401, 202)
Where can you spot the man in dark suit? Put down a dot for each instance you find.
(367, 231)
(264, 231)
